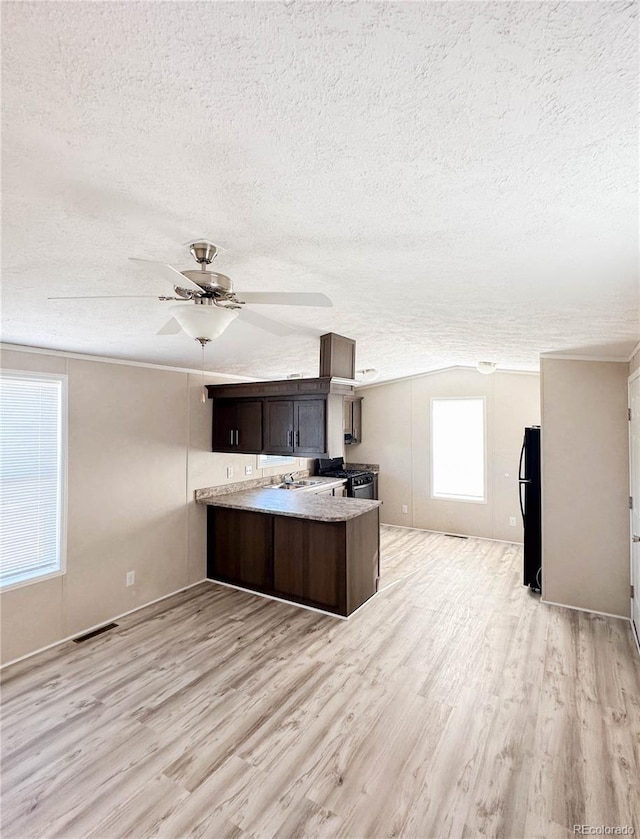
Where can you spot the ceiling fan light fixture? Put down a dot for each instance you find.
(207, 322)
(486, 367)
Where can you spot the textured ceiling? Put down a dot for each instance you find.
(460, 178)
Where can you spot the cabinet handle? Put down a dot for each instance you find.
(289, 438)
(231, 437)
(297, 438)
(237, 437)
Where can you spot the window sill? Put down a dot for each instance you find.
(42, 578)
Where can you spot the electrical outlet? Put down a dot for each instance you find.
(512, 521)
(229, 471)
(248, 470)
(405, 509)
(131, 578)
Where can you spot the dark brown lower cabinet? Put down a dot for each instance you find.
(239, 548)
(330, 565)
(309, 560)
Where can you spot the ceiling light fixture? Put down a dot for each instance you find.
(203, 322)
(369, 374)
(486, 367)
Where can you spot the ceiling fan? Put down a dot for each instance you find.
(216, 304)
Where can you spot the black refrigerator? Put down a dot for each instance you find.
(529, 484)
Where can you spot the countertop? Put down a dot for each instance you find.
(294, 503)
(263, 483)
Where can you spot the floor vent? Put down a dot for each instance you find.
(95, 632)
(456, 536)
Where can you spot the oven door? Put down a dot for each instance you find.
(362, 491)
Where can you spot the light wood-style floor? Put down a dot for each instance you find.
(454, 704)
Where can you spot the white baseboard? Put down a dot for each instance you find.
(449, 533)
(581, 609)
(288, 602)
(98, 625)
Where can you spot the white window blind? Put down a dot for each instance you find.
(32, 413)
(458, 449)
(265, 460)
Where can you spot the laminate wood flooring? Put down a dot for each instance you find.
(453, 704)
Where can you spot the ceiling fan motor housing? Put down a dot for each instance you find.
(210, 281)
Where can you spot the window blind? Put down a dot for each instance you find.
(31, 476)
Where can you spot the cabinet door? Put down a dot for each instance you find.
(325, 569)
(289, 542)
(224, 423)
(278, 426)
(309, 561)
(310, 431)
(248, 431)
(239, 547)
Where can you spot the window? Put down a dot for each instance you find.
(267, 460)
(458, 449)
(32, 476)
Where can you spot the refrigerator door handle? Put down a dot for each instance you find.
(520, 475)
(520, 498)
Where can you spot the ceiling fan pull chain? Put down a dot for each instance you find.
(204, 390)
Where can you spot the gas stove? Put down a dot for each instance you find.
(334, 468)
(359, 484)
(342, 473)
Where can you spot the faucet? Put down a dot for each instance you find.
(289, 479)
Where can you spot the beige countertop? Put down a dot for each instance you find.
(294, 503)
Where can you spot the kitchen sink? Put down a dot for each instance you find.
(295, 485)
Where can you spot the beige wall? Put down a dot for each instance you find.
(139, 445)
(585, 463)
(396, 434)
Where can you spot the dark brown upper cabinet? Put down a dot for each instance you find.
(302, 417)
(237, 425)
(278, 421)
(295, 426)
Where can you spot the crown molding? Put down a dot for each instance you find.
(614, 359)
(634, 351)
(126, 363)
(496, 372)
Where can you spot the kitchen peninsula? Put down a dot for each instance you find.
(311, 549)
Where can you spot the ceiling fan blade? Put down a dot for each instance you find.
(285, 298)
(171, 327)
(268, 324)
(110, 297)
(172, 275)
